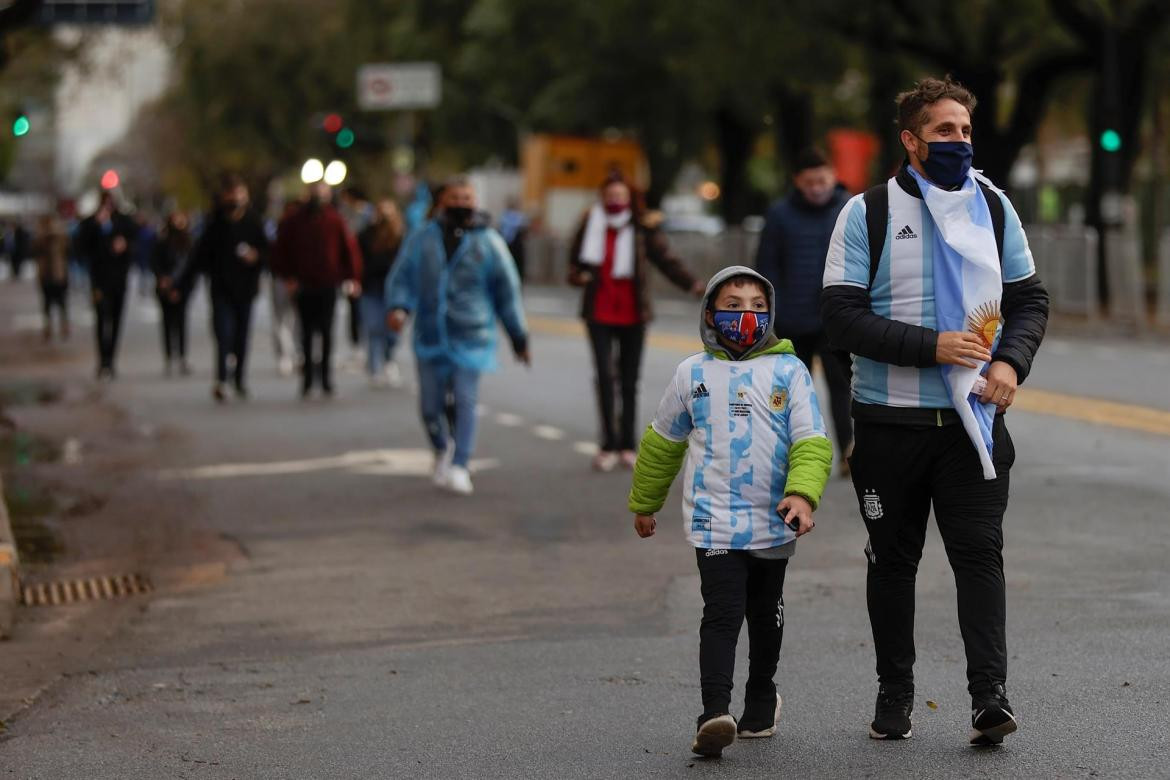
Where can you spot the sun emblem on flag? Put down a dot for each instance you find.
(984, 322)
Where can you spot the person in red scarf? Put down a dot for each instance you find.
(614, 245)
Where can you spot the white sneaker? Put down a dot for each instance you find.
(605, 461)
(393, 374)
(459, 481)
(442, 472)
(285, 366)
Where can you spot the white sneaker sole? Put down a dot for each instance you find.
(876, 735)
(993, 735)
(766, 732)
(714, 735)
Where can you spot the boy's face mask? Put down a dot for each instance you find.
(741, 328)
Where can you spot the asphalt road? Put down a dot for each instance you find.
(378, 628)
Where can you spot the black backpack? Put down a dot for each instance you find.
(877, 209)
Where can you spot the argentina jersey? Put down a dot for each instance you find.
(739, 420)
(903, 288)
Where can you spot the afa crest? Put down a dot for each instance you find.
(779, 400)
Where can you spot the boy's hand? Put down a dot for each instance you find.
(644, 525)
(797, 509)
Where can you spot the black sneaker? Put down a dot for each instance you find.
(891, 715)
(759, 718)
(992, 718)
(715, 732)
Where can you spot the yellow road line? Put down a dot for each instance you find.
(1073, 407)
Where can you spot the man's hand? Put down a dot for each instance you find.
(960, 348)
(525, 357)
(118, 245)
(396, 319)
(798, 509)
(644, 525)
(582, 278)
(351, 288)
(173, 295)
(291, 286)
(164, 283)
(1001, 385)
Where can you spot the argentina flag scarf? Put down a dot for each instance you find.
(968, 285)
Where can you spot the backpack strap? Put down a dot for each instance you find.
(877, 217)
(995, 206)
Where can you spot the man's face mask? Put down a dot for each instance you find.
(458, 215)
(741, 328)
(947, 162)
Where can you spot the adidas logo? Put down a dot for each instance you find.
(700, 391)
(906, 232)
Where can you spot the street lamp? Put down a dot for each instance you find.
(335, 173)
(312, 171)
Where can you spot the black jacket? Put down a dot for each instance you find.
(95, 242)
(852, 325)
(375, 263)
(216, 254)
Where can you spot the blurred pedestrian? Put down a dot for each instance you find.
(316, 255)
(231, 252)
(18, 241)
(106, 241)
(791, 256)
(169, 260)
(379, 243)
(285, 344)
(50, 248)
(358, 213)
(455, 276)
(144, 244)
(930, 285)
(615, 243)
(514, 230)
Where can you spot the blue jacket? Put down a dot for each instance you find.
(791, 256)
(455, 302)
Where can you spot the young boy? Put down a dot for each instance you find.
(745, 415)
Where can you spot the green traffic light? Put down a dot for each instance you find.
(345, 138)
(1110, 140)
(21, 126)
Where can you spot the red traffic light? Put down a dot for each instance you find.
(332, 123)
(110, 179)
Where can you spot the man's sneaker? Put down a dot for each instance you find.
(459, 481)
(992, 718)
(759, 719)
(891, 716)
(393, 374)
(714, 734)
(605, 461)
(442, 471)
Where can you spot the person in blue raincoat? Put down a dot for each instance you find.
(456, 277)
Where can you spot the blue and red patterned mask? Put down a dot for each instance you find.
(743, 329)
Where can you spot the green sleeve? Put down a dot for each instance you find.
(659, 460)
(810, 461)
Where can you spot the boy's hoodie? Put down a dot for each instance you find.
(751, 433)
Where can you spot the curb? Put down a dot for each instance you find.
(9, 564)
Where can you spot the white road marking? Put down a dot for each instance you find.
(586, 448)
(399, 463)
(509, 420)
(548, 432)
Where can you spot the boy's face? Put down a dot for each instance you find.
(737, 296)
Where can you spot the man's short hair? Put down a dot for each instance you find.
(458, 181)
(231, 180)
(914, 105)
(812, 157)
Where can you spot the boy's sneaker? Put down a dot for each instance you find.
(759, 719)
(459, 481)
(442, 471)
(715, 733)
(891, 717)
(992, 718)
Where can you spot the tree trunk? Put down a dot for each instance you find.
(734, 139)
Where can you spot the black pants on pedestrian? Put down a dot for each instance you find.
(232, 321)
(738, 585)
(629, 340)
(174, 327)
(315, 309)
(837, 376)
(355, 321)
(899, 472)
(108, 326)
(55, 295)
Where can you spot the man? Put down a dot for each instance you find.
(358, 213)
(316, 255)
(454, 274)
(105, 239)
(231, 253)
(903, 266)
(791, 256)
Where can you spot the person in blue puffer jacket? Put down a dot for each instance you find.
(456, 276)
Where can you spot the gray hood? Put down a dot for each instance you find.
(710, 336)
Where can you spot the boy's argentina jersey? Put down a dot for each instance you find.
(903, 289)
(739, 419)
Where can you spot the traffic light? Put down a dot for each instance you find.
(345, 138)
(110, 180)
(332, 123)
(21, 125)
(1110, 140)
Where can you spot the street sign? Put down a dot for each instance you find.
(400, 85)
(96, 11)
